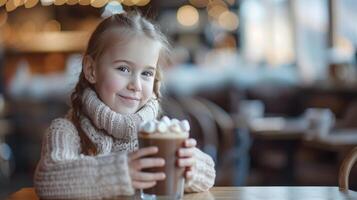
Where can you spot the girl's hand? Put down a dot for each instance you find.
(143, 180)
(186, 158)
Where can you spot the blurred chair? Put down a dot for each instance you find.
(345, 169)
(203, 127)
(233, 147)
(172, 108)
(217, 135)
(6, 156)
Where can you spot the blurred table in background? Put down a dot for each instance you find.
(336, 140)
(278, 128)
(291, 138)
(284, 135)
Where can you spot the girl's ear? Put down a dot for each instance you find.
(89, 69)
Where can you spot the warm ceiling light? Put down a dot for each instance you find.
(30, 3)
(59, 2)
(84, 2)
(216, 11)
(2, 2)
(46, 2)
(72, 2)
(199, 3)
(98, 3)
(129, 2)
(187, 15)
(18, 3)
(10, 6)
(142, 2)
(228, 20)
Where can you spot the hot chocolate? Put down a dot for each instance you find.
(168, 135)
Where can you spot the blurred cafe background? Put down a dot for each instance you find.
(269, 86)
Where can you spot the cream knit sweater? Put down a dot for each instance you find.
(64, 173)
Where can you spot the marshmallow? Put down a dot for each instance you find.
(175, 128)
(166, 125)
(175, 121)
(185, 125)
(166, 120)
(148, 127)
(162, 127)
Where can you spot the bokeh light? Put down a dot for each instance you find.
(187, 15)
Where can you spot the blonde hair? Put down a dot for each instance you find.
(128, 25)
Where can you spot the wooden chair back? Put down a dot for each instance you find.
(345, 169)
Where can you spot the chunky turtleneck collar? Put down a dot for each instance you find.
(114, 123)
(103, 125)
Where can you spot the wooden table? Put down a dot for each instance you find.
(242, 193)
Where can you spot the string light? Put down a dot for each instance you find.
(71, 2)
(18, 3)
(46, 2)
(128, 2)
(10, 5)
(228, 20)
(2, 2)
(142, 2)
(59, 2)
(98, 3)
(187, 15)
(30, 3)
(84, 2)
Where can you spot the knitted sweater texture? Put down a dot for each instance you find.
(63, 172)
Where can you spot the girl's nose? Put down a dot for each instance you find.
(135, 84)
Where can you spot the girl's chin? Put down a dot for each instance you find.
(125, 110)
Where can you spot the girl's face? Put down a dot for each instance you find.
(124, 74)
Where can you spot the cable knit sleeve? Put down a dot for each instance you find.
(63, 173)
(118, 125)
(203, 173)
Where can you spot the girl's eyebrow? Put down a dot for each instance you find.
(132, 63)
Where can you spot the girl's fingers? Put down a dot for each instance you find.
(147, 163)
(188, 174)
(143, 152)
(143, 185)
(185, 162)
(185, 152)
(189, 143)
(147, 177)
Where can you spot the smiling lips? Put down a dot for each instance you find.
(128, 98)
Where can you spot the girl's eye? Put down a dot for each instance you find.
(123, 68)
(148, 73)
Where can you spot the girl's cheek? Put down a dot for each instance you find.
(148, 91)
(114, 83)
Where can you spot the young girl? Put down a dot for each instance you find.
(93, 152)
